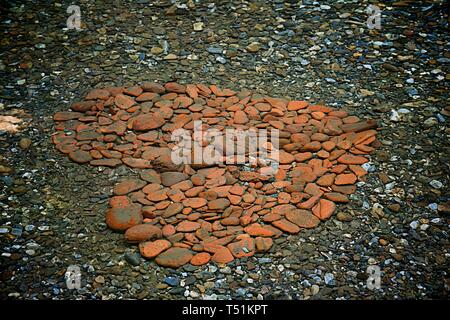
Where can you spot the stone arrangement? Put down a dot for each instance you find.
(181, 214)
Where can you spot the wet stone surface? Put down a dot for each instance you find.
(53, 208)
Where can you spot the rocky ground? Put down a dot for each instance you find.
(53, 210)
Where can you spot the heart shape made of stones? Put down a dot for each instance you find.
(194, 213)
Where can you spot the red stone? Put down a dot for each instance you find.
(80, 156)
(302, 218)
(120, 219)
(263, 244)
(345, 178)
(187, 226)
(174, 257)
(286, 226)
(148, 121)
(142, 232)
(297, 105)
(153, 87)
(195, 202)
(128, 186)
(242, 248)
(324, 209)
(175, 87)
(82, 106)
(350, 159)
(222, 255)
(150, 249)
(200, 259)
(124, 102)
(257, 230)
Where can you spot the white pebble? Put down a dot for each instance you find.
(414, 224)
(436, 184)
